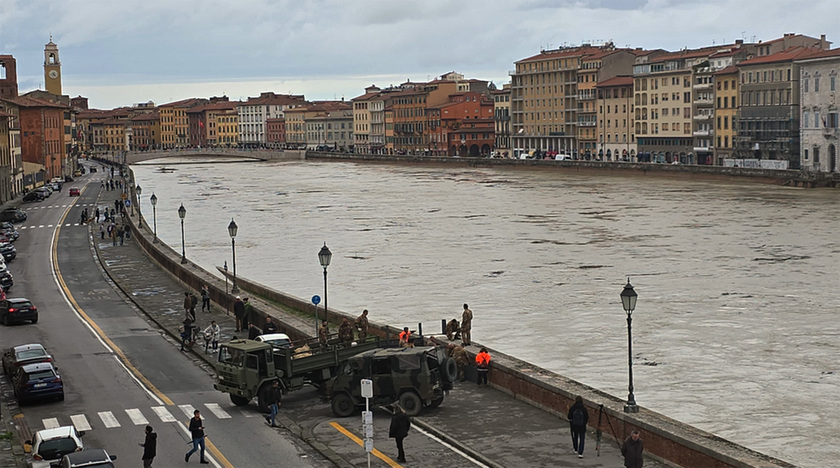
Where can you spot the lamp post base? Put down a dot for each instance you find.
(183, 260)
(234, 290)
(631, 408)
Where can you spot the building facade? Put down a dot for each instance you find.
(726, 113)
(616, 139)
(820, 129)
(501, 116)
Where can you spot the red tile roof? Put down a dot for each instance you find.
(787, 55)
(616, 81)
(824, 54)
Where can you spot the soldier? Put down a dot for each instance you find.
(362, 325)
(459, 354)
(453, 330)
(345, 332)
(323, 333)
(466, 324)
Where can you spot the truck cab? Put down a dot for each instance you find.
(416, 378)
(242, 369)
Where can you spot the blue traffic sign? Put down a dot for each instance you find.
(316, 299)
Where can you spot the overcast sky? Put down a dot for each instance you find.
(120, 52)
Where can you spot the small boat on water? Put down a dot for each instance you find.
(166, 169)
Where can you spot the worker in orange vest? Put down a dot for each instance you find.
(405, 338)
(482, 361)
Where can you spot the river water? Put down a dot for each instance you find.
(735, 330)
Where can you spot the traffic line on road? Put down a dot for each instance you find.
(163, 414)
(108, 419)
(136, 417)
(188, 410)
(361, 443)
(50, 423)
(80, 422)
(217, 410)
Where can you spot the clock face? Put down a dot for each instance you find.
(53, 74)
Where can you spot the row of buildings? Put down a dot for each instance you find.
(764, 101)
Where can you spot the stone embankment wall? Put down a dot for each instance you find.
(666, 439)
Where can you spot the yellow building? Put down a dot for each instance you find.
(174, 122)
(616, 140)
(501, 118)
(726, 112)
(227, 127)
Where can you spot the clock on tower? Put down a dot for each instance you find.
(52, 69)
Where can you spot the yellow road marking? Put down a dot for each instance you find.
(210, 446)
(361, 443)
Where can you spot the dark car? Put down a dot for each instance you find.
(12, 215)
(33, 196)
(18, 309)
(8, 229)
(88, 458)
(8, 251)
(6, 280)
(36, 382)
(23, 355)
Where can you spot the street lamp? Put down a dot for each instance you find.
(131, 196)
(182, 212)
(324, 257)
(232, 228)
(139, 191)
(153, 199)
(628, 301)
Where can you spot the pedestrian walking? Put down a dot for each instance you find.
(186, 333)
(274, 397)
(362, 324)
(400, 424)
(632, 451)
(205, 299)
(197, 432)
(83, 217)
(345, 332)
(113, 234)
(323, 333)
(213, 332)
(238, 312)
(101, 231)
(466, 325)
(482, 362)
(248, 316)
(149, 447)
(97, 214)
(578, 418)
(193, 305)
(121, 234)
(270, 326)
(187, 305)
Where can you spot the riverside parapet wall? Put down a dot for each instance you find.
(666, 439)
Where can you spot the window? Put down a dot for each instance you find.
(832, 85)
(832, 120)
(816, 90)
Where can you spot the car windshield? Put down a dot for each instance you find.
(30, 353)
(54, 449)
(41, 375)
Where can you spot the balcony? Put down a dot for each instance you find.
(586, 123)
(704, 101)
(703, 149)
(702, 132)
(702, 86)
(703, 117)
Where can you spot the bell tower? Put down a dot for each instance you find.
(52, 69)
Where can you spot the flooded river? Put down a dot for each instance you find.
(735, 330)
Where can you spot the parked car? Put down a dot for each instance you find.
(33, 196)
(8, 251)
(39, 381)
(44, 191)
(75, 192)
(13, 215)
(17, 309)
(22, 355)
(8, 229)
(276, 340)
(6, 280)
(49, 445)
(89, 458)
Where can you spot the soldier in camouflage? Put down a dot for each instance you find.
(362, 325)
(453, 330)
(323, 332)
(345, 332)
(459, 354)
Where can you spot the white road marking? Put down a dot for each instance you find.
(80, 422)
(50, 423)
(108, 419)
(163, 414)
(188, 410)
(136, 417)
(217, 410)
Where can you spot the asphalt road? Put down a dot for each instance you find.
(120, 372)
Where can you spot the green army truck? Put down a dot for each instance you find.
(416, 378)
(245, 369)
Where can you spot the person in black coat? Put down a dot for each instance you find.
(399, 430)
(632, 451)
(149, 447)
(578, 418)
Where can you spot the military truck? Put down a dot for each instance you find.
(416, 378)
(245, 369)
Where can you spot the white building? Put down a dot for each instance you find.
(819, 129)
(254, 112)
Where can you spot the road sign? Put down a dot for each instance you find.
(367, 388)
(316, 299)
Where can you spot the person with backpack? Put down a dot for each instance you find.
(578, 418)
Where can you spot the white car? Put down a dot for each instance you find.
(276, 340)
(52, 444)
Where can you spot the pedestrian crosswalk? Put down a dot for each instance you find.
(136, 417)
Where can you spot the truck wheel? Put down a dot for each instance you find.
(342, 405)
(263, 395)
(239, 400)
(436, 402)
(449, 370)
(411, 403)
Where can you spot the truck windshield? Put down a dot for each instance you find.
(234, 357)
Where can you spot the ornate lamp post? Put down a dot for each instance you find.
(628, 301)
(324, 256)
(232, 229)
(153, 199)
(182, 212)
(139, 191)
(130, 195)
